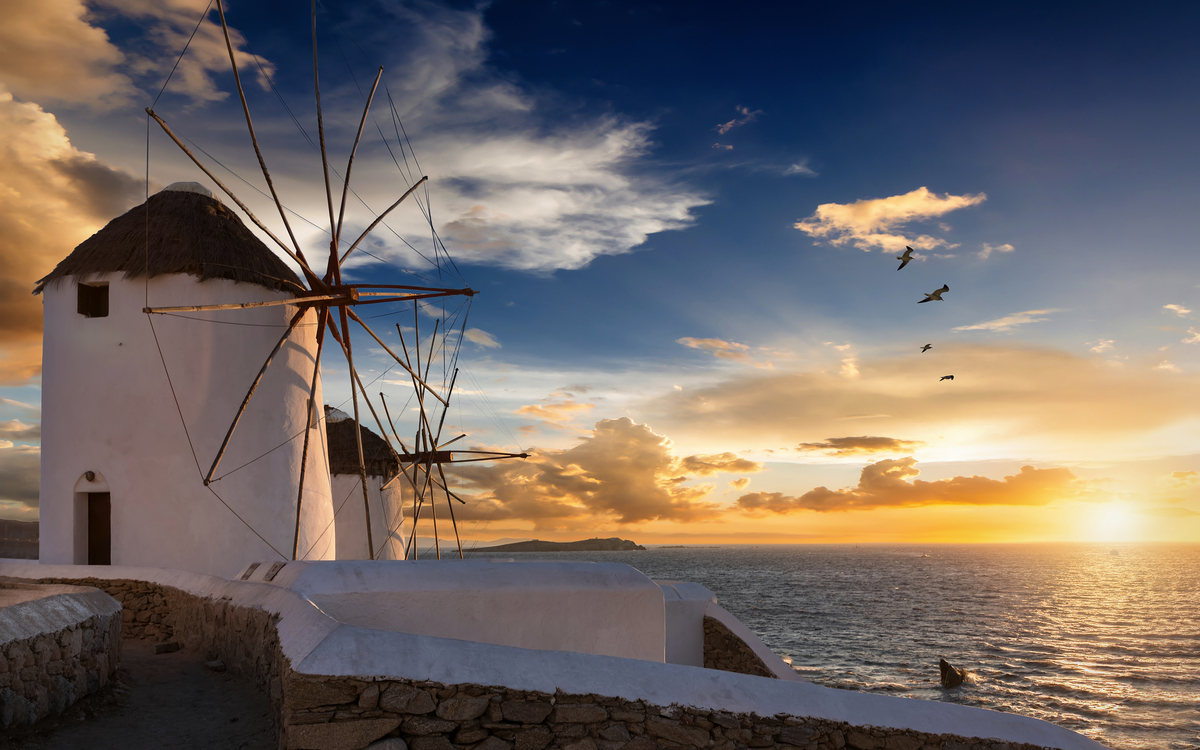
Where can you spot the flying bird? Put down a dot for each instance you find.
(945, 377)
(908, 251)
(927, 347)
(937, 295)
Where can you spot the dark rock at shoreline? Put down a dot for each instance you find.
(952, 676)
(584, 545)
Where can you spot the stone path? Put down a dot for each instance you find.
(158, 701)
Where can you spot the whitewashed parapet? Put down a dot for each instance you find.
(353, 667)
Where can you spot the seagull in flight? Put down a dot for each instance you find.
(908, 251)
(945, 377)
(927, 347)
(935, 295)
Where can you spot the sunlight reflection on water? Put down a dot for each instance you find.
(1103, 639)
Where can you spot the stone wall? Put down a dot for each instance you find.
(45, 673)
(725, 651)
(144, 608)
(243, 638)
(344, 714)
(314, 712)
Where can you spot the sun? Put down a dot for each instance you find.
(1114, 523)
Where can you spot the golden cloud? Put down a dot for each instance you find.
(622, 472)
(870, 223)
(854, 446)
(722, 349)
(1009, 322)
(1185, 478)
(728, 463)
(1168, 512)
(54, 197)
(883, 485)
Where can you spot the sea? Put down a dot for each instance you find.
(1103, 639)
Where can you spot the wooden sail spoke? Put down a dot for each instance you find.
(250, 394)
(313, 280)
(402, 363)
(327, 298)
(308, 424)
(337, 235)
(450, 505)
(381, 217)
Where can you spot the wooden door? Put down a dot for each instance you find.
(99, 529)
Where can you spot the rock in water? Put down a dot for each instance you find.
(952, 676)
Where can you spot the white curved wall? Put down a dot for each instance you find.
(107, 407)
(587, 608)
(387, 518)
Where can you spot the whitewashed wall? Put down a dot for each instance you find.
(387, 518)
(107, 408)
(589, 608)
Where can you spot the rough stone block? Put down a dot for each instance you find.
(641, 743)
(431, 743)
(615, 733)
(797, 736)
(674, 731)
(369, 697)
(494, 743)
(861, 741)
(587, 743)
(526, 712)
(427, 725)
(462, 707)
(402, 698)
(533, 738)
(310, 694)
(579, 713)
(388, 743)
(465, 736)
(343, 735)
(908, 742)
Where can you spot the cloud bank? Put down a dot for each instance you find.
(884, 484)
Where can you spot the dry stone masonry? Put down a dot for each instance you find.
(47, 672)
(315, 712)
(725, 651)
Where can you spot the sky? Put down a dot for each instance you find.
(683, 221)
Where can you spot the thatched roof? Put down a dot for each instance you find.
(343, 450)
(190, 232)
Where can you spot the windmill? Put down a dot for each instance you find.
(334, 302)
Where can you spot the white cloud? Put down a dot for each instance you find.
(482, 338)
(730, 350)
(1179, 310)
(873, 223)
(746, 116)
(1009, 322)
(1193, 336)
(722, 147)
(1167, 366)
(800, 167)
(1103, 345)
(987, 250)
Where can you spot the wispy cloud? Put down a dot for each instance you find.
(722, 147)
(874, 223)
(481, 338)
(1009, 322)
(986, 251)
(1101, 346)
(1193, 336)
(862, 445)
(1179, 310)
(746, 116)
(801, 167)
(1167, 366)
(722, 349)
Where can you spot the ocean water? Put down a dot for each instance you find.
(1103, 639)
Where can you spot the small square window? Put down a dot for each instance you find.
(93, 300)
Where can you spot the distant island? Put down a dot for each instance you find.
(612, 544)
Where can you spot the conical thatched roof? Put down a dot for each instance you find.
(343, 450)
(190, 232)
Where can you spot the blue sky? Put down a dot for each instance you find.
(624, 184)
